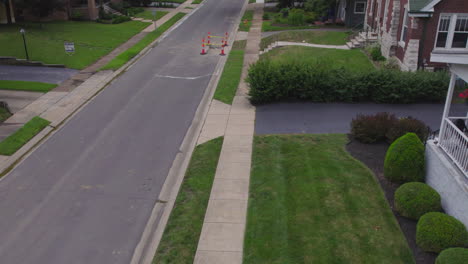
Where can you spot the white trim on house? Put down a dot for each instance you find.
(430, 6)
(364, 9)
(451, 32)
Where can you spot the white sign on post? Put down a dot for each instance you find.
(69, 47)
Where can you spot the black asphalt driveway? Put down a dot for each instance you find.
(86, 194)
(315, 118)
(35, 74)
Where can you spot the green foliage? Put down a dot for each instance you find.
(437, 231)
(26, 86)
(127, 55)
(76, 15)
(120, 19)
(453, 256)
(296, 17)
(385, 126)
(180, 239)
(405, 125)
(372, 128)
(376, 54)
(16, 140)
(320, 82)
(4, 113)
(414, 199)
(319, 6)
(405, 160)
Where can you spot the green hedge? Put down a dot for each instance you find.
(415, 199)
(438, 231)
(405, 161)
(318, 82)
(453, 256)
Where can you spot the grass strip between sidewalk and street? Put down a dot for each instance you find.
(246, 21)
(310, 201)
(4, 114)
(26, 86)
(127, 55)
(230, 78)
(16, 140)
(180, 239)
(196, 2)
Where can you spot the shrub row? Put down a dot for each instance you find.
(414, 199)
(318, 82)
(386, 126)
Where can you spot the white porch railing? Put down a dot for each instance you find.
(455, 144)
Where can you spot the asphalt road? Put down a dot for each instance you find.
(299, 117)
(35, 73)
(85, 195)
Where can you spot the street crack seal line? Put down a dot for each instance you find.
(180, 77)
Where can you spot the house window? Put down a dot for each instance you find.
(452, 31)
(359, 7)
(404, 29)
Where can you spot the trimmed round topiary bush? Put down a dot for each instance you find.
(405, 161)
(415, 199)
(453, 256)
(437, 231)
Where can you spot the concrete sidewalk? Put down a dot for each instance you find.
(222, 236)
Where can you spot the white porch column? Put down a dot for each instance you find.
(448, 103)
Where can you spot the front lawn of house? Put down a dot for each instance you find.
(148, 14)
(46, 43)
(315, 37)
(311, 202)
(353, 60)
(26, 86)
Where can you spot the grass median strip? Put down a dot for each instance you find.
(26, 86)
(180, 239)
(311, 202)
(246, 21)
(232, 71)
(15, 141)
(127, 55)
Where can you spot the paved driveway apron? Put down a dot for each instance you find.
(86, 194)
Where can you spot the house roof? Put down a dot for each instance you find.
(422, 6)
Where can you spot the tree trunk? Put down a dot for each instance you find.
(8, 11)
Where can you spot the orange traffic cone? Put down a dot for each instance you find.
(203, 51)
(222, 52)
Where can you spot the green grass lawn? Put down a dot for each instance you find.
(4, 115)
(26, 86)
(230, 79)
(246, 21)
(311, 202)
(92, 40)
(316, 37)
(180, 239)
(353, 60)
(16, 140)
(127, 55)
(196, 2)
(269, 25)
(148, 14)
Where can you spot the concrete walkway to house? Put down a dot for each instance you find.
(271, 33)
(222, 235)
(279, 44)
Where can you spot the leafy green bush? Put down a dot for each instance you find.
(376, 54)
(372, 128)
(310, 17)
(320, 82)
(296, 17)
(415, 199)
(437, 231)
(453, 256)
(120, 19)
(266, 16)
(406, 125)
(405, 161)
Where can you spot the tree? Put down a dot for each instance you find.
(8, 10)
(41, 8)
(320, 7)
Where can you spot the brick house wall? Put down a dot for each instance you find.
(389, 30)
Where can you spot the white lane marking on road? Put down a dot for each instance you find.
(181, 77)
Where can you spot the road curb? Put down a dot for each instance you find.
(146, 249)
